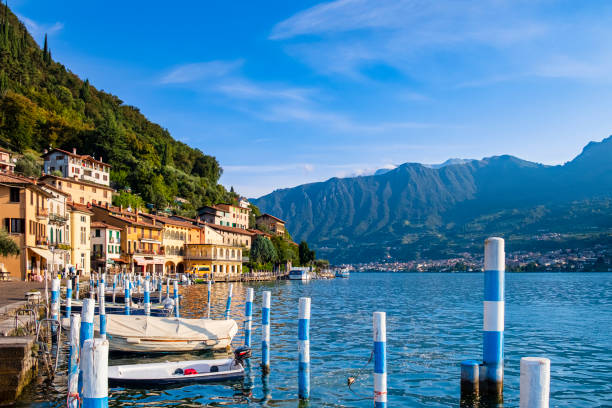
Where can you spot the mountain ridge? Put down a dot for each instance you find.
(415, 210)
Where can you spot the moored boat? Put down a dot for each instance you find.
(201, 371)
(302, 274)
(151, 334)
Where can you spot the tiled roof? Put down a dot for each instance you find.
(77, 181)
(80, 207)
(271, 216)
(230, 229)
(80, 156)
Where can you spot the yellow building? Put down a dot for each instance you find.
(80, 237)
(80, 191)
(141, 237)
(176, 234)
(25, 217)
(216, 258)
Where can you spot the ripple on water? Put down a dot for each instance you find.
(433, 321)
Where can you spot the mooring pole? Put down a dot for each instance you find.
(159, 288)
(493, 336)
(265, 332)
(469, 382)
(147, 299)
(87, 331)
(380, 359)
(68, 298)
(55, 293)
(102, 308)
(535, 382)
(95, 373)
(304, 348)
(176, 300)
(76, 289)
(126, 295)
(73, 362)
(248, 313)
(209, 288)
(228, 305)
(114, 287)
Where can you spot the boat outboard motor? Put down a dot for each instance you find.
(241, 354)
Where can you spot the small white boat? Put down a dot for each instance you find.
(160, 374)
(151, 334)
(302, 274)
(343, 273)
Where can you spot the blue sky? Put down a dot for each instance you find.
(285, 93)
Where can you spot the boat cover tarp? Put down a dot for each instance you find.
(169, 328)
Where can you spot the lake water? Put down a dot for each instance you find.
(433, 322)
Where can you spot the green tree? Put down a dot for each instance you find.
(126, 200)
(28, 165)
(7, 245)
(262, 250)
(306, 255)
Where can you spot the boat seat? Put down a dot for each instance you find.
(201, 368)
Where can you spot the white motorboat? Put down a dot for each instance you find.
(302, 274)
(152, 334)
(160, 374)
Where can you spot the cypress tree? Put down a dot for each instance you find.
(45, 49)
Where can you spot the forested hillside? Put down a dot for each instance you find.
(418, 211)
(43, 104)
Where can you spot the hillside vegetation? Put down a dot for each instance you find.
(43, 104)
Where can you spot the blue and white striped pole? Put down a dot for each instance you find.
(248, 313)
(147, 299)
(209, 287)
(86, 332)
(380, 359)
(126, 292)
(139, 284)
(95, 373)
(493, 336)
(176, 300)
(228, 305)
(68, 298)
(73, 362)
(114, 287)
(265, 332)
(55, 293)
(76, 289)
(102, 309)
(304, 348)
(159, 289)
(168, 288)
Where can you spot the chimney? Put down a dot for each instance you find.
(74, 150)
(101, 159)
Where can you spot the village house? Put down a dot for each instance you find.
(76, 166)
(105, 247)
(59, 231)
(141, 237)
(6, 161)
(80, 224)
(228, 215)
(216, 258)
(271, 223)
(80, 191)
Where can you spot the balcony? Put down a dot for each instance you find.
(58, 219)
(148, 252)
(42, 212)
(42, 242)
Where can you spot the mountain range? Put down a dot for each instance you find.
(418, 211)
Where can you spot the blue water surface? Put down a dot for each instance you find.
(434, 320)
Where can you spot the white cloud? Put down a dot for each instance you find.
(38, 30)
(200, 71)
(489, 41)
